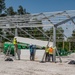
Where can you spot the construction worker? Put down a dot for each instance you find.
(32, 52)
(50, 54)
(16, 47)
(15, 44)
(19, 51)
(34, 49)
(47, 53)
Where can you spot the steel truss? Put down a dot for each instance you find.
(44, 19)
(37, 20)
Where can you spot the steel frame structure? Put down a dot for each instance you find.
(54, 19)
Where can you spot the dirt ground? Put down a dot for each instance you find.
(26, 67)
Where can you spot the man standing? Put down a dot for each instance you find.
(47, 53)
(15, 44)
(50, 54)
(32, 52)
(15, 47)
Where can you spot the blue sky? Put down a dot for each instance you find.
(37, 6)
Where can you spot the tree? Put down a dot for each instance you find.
(10, 11)
(21, 10)
(73, 34)
(35, 32)
(72, 40)
(59, 36)
(2, 5)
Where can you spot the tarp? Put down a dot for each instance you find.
(34, 41)
(72, 62)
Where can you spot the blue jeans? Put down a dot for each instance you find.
(32, 56)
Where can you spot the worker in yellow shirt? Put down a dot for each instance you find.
(50, 54)
(15, 44)
(15, 47)
(47, 53)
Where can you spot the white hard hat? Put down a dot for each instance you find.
(51, 46)
(30, 43)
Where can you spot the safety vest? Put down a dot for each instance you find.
(47, 49)
(50, 50)
(14, 41)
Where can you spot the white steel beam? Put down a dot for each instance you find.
(24, 25)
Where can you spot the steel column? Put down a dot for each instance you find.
(54, 43)
(16, 31)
